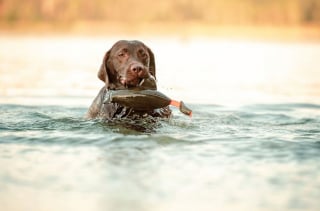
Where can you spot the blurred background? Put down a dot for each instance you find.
(207, 51)
(248, 17)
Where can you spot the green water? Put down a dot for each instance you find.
(254, 157)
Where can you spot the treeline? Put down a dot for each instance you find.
(139, 11)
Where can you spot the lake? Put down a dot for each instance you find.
(253, 142)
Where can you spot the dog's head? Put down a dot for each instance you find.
(127, 64)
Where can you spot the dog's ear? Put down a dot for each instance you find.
(103, 71)
(152, 63)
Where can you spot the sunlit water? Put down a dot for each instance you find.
(258, 157)
(258, 150)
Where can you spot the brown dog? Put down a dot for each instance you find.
(126, 65)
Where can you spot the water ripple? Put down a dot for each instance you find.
(248, 149)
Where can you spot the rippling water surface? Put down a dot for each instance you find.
(257, 157)
(253, 142)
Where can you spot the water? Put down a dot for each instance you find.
(252, 147)
(257, 157)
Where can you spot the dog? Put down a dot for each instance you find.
(127, 65)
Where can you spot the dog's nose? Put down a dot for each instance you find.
(137, 68)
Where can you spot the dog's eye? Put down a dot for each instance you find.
(143, 54)
(123, 52)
